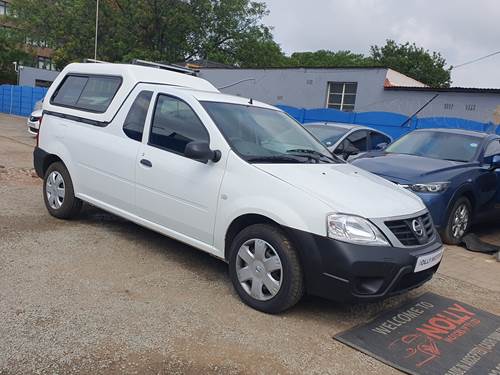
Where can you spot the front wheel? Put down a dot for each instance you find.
(458, 222)
(265, 269)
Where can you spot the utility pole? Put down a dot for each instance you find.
(96, 27)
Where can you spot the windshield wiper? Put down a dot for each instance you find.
(316, 155)
(275, 159)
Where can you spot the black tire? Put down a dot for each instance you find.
(69, 205)
(291, 275)
(447, 234)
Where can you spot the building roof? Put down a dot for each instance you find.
(204, 63)
(295, 67)
(470, 90)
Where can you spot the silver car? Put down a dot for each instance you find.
(348, 140)
(33, 121)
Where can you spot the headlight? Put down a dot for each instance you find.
(355, 229)
(431, 187)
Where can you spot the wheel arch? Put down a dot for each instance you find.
(464, 191)
(241, 222)
(49, 160)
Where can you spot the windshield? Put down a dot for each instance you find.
(437, 145)
(264, 135)
(328, 135)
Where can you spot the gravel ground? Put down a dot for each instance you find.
(102, 295)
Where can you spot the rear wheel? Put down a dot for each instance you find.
(58, 192)
(458, 223)
(265, 270)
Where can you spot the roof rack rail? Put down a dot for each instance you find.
(172, 67)
(85, 60)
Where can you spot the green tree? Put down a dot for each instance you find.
(11, 51)
(161, 30)
(325, 58)
(416, 62)
(252, 49)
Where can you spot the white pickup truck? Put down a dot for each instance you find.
(233, 177)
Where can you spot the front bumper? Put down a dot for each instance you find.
(33, 126)
(347, 272)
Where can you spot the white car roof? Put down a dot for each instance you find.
(131, 75)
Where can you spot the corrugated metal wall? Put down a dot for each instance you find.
(19, 100)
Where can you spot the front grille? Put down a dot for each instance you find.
(413, 231)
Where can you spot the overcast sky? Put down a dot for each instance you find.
(461, 30)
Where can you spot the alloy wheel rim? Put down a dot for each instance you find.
(55, 189)
(460, 221)
(259, 269)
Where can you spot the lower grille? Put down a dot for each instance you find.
(413, 231)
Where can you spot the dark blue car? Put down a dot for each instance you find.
(455, 172)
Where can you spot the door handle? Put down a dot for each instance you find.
(146, 163)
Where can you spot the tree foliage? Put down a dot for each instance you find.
(416, 62)
(327, 59)
(10, 51)
(161, 30)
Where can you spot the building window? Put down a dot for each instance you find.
(42, 83)
(45, 63)
(470, 107)
(4, 8)
(342, 95)
(448, 106)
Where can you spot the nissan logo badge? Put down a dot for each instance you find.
(417, 227)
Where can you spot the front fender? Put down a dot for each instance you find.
(466, 189)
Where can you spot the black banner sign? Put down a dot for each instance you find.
(432, 335)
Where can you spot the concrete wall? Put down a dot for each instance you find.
(447, 104)
(307, 88)
(304, 88)
(28, 76)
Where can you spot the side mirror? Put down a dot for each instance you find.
(200, 150)
(495, 163)
(381, 146)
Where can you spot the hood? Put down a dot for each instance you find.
(406, 168)
(348, 189)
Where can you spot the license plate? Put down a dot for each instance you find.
(428, 260)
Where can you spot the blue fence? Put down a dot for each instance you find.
(388, 122)
(19, 100)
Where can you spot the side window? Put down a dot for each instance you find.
(175, 125)
(378, 138)
(133, 126)
(359, 139)
(86, 92)
(491, 150)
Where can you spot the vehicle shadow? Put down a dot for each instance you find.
(213, 269)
